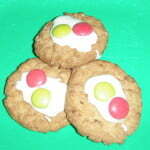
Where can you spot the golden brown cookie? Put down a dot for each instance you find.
(71, 40)
(103, 102)
(35, 96)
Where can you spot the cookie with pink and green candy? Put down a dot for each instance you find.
(103, 102)
(35, 96)
(71, 40)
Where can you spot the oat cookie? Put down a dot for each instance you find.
(71, 40)
(35, 96)
(103, 102)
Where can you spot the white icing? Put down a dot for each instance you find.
(49, 119)
(58, 91)
(125, 128)
(97, 54)
(81, 43)
(102, 107)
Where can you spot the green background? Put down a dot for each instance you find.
(128, 24)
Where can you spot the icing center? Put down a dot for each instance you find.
(106, 94)
(72, 32)
(48, 98)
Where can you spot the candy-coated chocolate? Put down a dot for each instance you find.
(41, 97)
(82, 29)
(35, 78)
(118, 108)
(103, 91)
(61, 30)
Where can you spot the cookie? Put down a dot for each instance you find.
(35, 96)
(71, 40)
(103, 102)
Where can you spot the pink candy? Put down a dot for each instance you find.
(118, 108)
(35, 78)
(82, 29)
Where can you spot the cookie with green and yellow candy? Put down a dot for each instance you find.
(103, 102)
(35, 96)
(68, 39)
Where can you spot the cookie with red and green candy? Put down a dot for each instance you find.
(71, 40)
(103, 102)
(35, 96)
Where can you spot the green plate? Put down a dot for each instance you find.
(129, 46)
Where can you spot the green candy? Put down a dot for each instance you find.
(40, 98)
(61, 30)
(103, 91)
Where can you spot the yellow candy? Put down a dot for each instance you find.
(103, 91)
(41, 97)
(61, 30)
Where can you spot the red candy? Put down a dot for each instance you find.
(82, 29)
(118, 108)
(35, 78)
